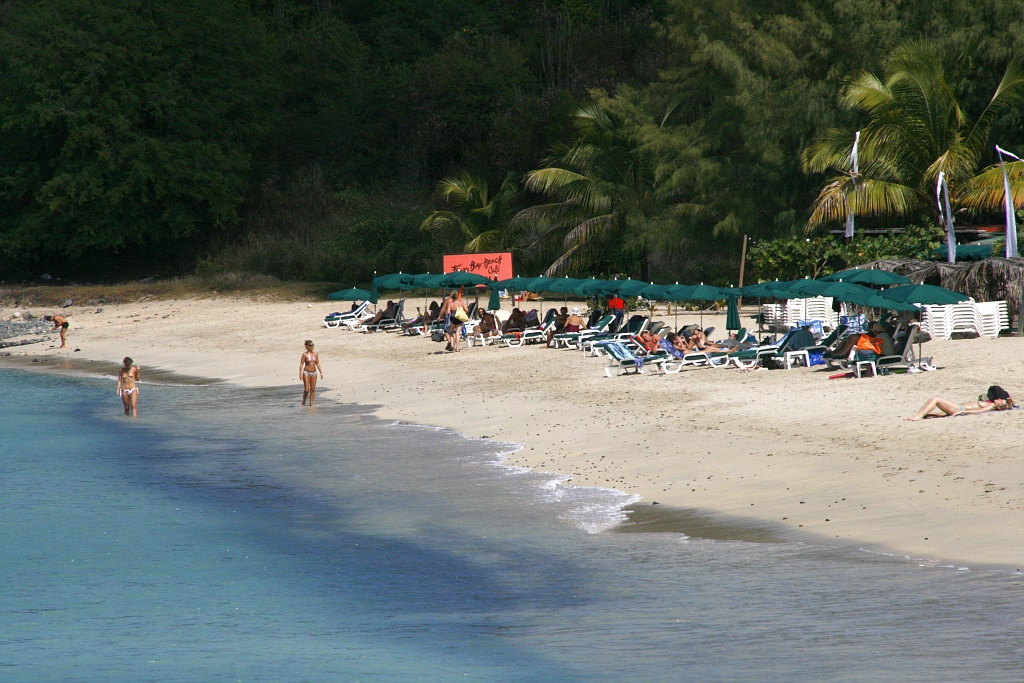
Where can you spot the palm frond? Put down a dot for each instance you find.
(864, 196)
(985, 191)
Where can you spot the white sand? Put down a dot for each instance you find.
(832, 458)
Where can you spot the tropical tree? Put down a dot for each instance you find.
(609, 199)
(482, 220)
(917, 129)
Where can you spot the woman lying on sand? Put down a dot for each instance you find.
(997, 399)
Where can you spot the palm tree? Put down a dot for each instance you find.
(480, 219)
(917, 129)
(606, 199)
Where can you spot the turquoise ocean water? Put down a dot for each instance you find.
(229, 535)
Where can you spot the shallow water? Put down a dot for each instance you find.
(229, 534)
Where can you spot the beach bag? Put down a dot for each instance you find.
(815, 358)
(461, 315)
(437, 335)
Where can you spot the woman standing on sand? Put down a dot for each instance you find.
(309, 364)
(127, 389)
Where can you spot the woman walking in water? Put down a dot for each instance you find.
(309, 365)
(127, 389)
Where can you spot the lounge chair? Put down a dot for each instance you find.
(335, 320)
(574, 339)
(531, 335)
(634, 326)
(904, 357)
(622, 359)
(387, 323)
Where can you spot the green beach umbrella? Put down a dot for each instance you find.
(351, 294)
(701, 293)
(393, 281)
(629, 287)
(732, 312)
(867, 276)
(655, 292)
(563, 285)
(594, 287)
(923, 294)
(516, 284)
(762, 290)
(494, 303)
(808, 287)
(463, 279)
(841, 290)
(876, 300)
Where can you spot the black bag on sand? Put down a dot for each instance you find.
(437, 335)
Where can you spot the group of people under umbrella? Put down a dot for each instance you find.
(855, 286)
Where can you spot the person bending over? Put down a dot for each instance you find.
(61, 323)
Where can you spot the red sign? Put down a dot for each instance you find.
(497, 265)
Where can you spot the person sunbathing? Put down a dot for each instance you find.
(388, 313)
(515, 323)
(488, 326)
(650, 341)
(699, 342)
(997, 399)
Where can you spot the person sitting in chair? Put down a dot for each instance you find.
(515, 323)
(386, 313)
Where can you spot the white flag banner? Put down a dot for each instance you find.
(1011, 218)
(848, 233)
(945, 215)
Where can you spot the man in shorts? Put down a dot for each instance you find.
(61, 323)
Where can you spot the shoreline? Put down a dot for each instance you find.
(821, 459)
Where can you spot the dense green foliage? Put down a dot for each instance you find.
(307, 138)
(790, 259)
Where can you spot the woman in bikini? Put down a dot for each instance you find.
(948, 408)
(127, 389)
(309, 365)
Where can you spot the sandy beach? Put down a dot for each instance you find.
(833, 459)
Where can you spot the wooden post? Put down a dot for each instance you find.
(743, 262)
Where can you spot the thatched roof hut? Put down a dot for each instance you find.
(994, 279)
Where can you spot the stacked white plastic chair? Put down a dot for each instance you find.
(816, 308)
(987, 319)
(772, 315)
(964, 318)
(994, 317)
(936, 321)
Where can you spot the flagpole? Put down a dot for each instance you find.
(942, 197)
(848, 233)
(1011, 219)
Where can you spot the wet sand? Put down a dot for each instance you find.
(790, 452)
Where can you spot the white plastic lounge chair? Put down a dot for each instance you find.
(623, 360)
(356, 314)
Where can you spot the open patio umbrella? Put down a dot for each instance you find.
(840, 290)
(868, 276)
(808, 287)
(762, 290)
(701, 293)
(517, 284)
(463, 279)
(394, 281)
(923, 294)
(629, 288)
(351, 294)
(564, 286)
